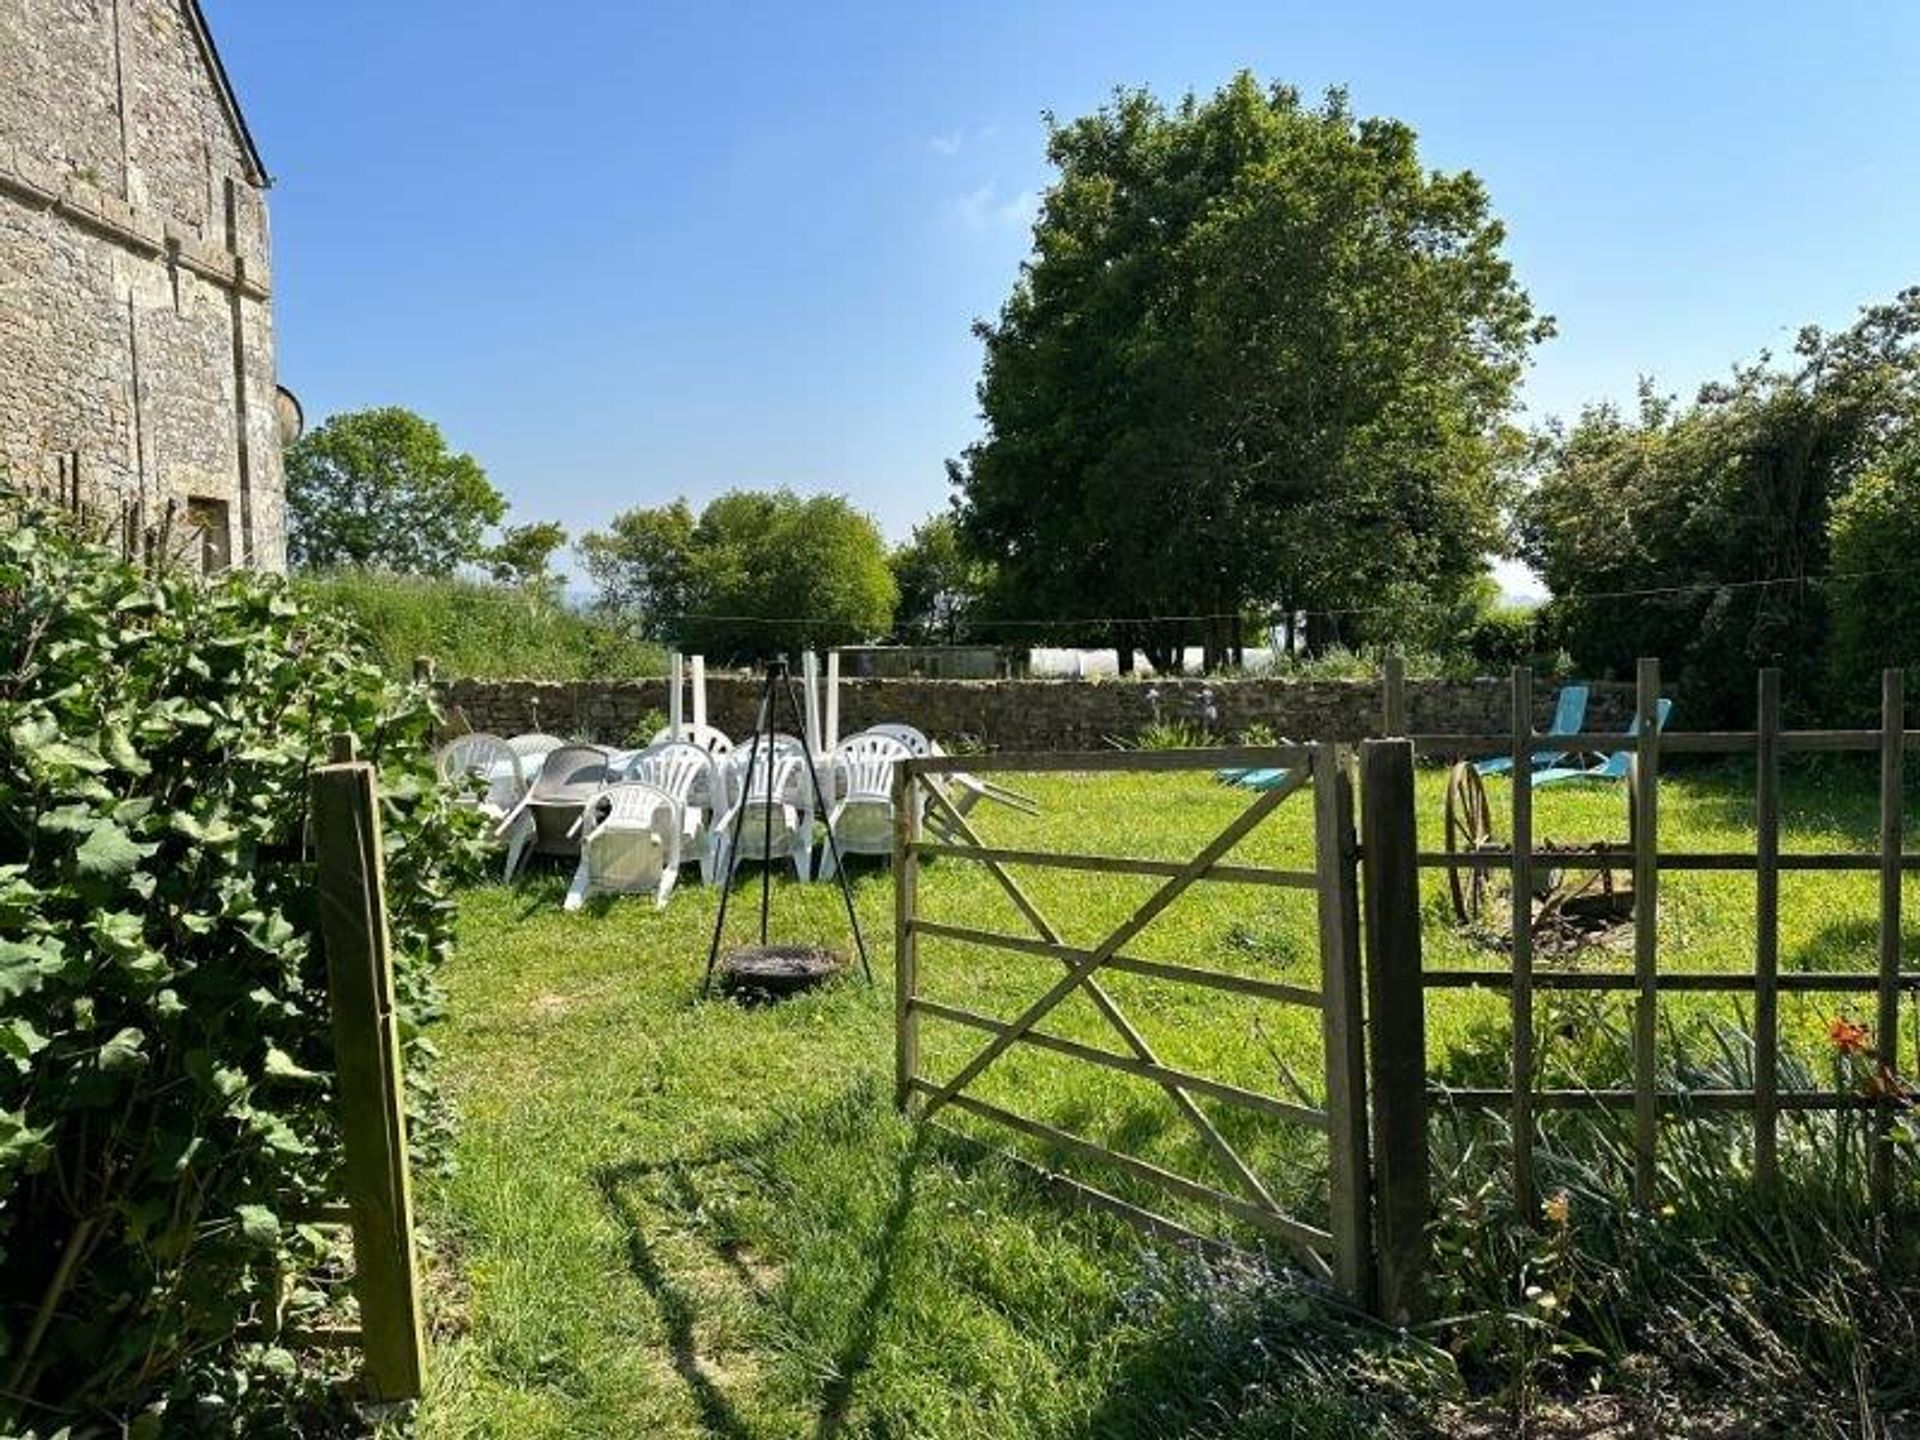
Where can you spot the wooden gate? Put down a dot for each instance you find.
(930, 803)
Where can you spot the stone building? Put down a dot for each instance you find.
(136, 330)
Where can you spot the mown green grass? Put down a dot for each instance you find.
(682, 1217)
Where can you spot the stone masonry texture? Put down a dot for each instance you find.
(136, 329)
(1024, 714)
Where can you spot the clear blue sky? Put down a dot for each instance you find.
(625, 251)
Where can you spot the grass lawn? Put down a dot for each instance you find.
(676, 1217)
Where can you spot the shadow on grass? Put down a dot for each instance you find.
(1850, 946)
(846, 1119)
(678, 1311)
(856, 1356)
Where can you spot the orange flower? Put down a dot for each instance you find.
(1849, 1038)
(1558, 1208)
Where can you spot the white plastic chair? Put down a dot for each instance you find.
(707, 737)
(861, 820)
(486, 771)
(773, 807)
(533, 749)
(547, 819)
(698, 781)
(629, 845)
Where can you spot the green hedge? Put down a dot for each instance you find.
(472, 628)
(164, 1032)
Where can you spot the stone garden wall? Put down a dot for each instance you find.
(1022, 714)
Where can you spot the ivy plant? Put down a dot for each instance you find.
(166, 1100)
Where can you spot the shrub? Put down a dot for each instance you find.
(164, 1029)
(1501, 637)
(473, 628)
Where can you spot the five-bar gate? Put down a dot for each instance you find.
(930, 805)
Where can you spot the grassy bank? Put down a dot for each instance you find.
(675, 1217)
(472, 628)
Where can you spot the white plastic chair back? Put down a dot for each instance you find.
(698, 781)
(865, 764)
(710, 739)
(547, 819)
(774, 807)
(486, 771)
(916, 741)
(691, 775)
(862, 819)
(630, 844)
(533, 749)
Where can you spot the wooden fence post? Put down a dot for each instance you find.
(1766, 904)
(1343, 1023)
(1646, 936)
(906, 969)
(1520, 997)
(423, 669)
(368, 1082)
(1393, 702)
(1396, 1004)
(1893, 722)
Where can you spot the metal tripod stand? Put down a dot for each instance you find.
(779, 681)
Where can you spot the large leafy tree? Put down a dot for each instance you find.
(381, 489)
(1700, 533)
(757, 573)
(1260, 358)
(938, 581)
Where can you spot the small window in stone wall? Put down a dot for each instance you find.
(209, 521)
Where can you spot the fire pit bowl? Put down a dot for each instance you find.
(773, 972)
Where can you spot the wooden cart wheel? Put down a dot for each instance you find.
(1469, 832)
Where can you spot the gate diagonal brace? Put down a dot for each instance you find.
(1080, 974)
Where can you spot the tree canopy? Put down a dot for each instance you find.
(523, 555)
(381, 489)
(938, 581)
(756, 573)
(1700, 533)
(1259, 358)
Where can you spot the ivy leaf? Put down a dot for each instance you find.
(109, 854)
(214, 831)
(21, 1146)
(76, 819)
(258, 1226)
(125, 1051)
(39, 740)
(21, 1041)
(22, 968)
(282, 1066)
(117, 746)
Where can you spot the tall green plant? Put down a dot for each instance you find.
(165, 1053)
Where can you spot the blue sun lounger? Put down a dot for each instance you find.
(1569, 714)
(1265, 779)
(1616, 766)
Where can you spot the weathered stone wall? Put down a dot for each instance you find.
(135, 322)
(1022, 714)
